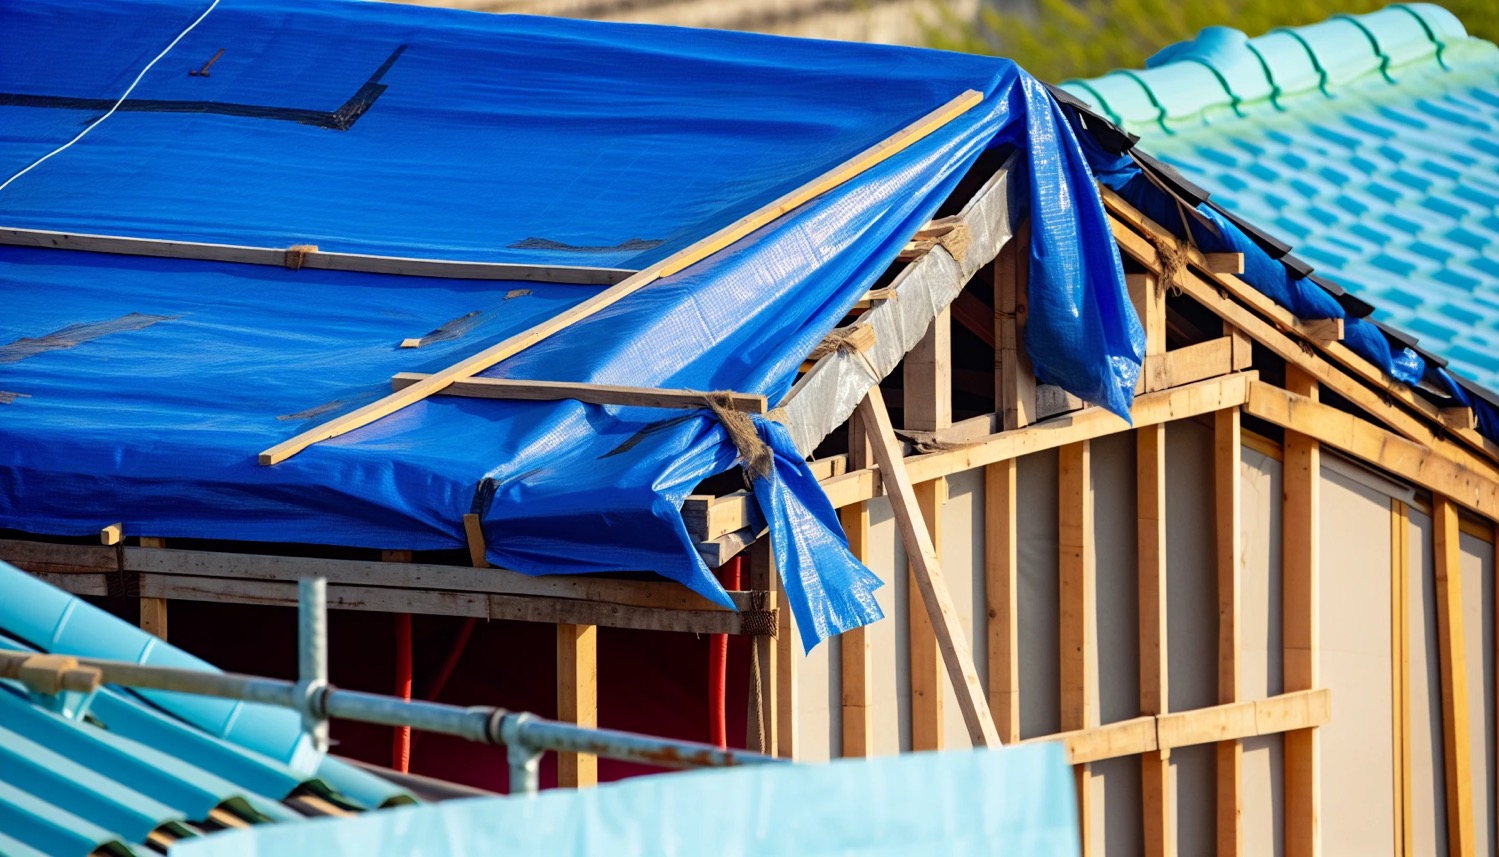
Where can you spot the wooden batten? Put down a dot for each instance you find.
(597, 394)
(1400, 686)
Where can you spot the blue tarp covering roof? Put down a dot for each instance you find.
(1018, 800)
(1368, 143)
(109, 770)
(142, 389)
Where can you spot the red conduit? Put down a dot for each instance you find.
(400, 752)
(718, 667)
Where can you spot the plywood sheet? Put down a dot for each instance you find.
(1036, 522)
(889, 676)
(1354, 658)
(963, 567)
(1259, 614)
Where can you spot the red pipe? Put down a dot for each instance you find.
(400, 751)
(718, 667)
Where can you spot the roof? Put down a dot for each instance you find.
(1366, 142)
(122, 770)
(140, 389)
(1016, 799)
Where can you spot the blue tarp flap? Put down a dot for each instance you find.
(1019, 800)
(142, 389)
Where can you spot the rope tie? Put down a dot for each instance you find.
(853, 339)
(755, 456)
(1172, 257)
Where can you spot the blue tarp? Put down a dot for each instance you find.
(1018, 800)
(142, 389)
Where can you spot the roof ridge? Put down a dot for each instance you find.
(1222, 72)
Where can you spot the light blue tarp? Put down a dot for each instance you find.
(142, 389)
(1018, 800)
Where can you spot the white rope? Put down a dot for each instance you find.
(94, 124)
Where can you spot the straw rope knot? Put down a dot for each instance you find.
(844, 340)
(755, 455)
(1172, 256)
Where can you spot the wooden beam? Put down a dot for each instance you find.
(1157, 800)
(1002, 591)
(312, 258)
(577, 698)
(596, 394)
(1301, 481)
(1232, 722)
(1456, 753)
(1323, 330)
(1014, 378)
(927, 371)
(1224, 263)
(1226, 465)
(1149, 299)
(1383, 449)
(764, 725)
(1215, 296)
(1187, 365)
(1077, 596)
(696, 252)
(154, 610)
(854, 653)
(956, 655)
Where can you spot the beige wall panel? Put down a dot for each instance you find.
(1354, 615)
(1428, 788)
(1478, 630)
(963, 568)
(1259, 617)
(889, 679)
(1116, 782)
(1192, 623)
(819, 702)
(1039, 632)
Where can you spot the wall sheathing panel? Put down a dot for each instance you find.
(889, 678)
(819, 703)
(1192, 623)
(1355, 662)
(1117, 807)
(1478, 631)
(1429, 818)
(1040, 663)
(1260, 650)
(963, 568)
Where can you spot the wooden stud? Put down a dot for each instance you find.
(598, 394)
(1456, 755)
(1400, 692)
(154, 610)
(1015, 379)
(764, 725)
(1149, 299)
(1243, 347)
(1155, 766)
(1002, 589)
(577, 698)
(956, 655)
(694, 253)
(1226, 462)
(1301, 479)
(1386, 450)
(855, 664)
(1077, 595)
(928, 407)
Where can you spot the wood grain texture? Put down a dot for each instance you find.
(1301, 480)
(1456, 752)
(577, 698)
(596, 394)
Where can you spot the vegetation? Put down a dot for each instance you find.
(1064, 39)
